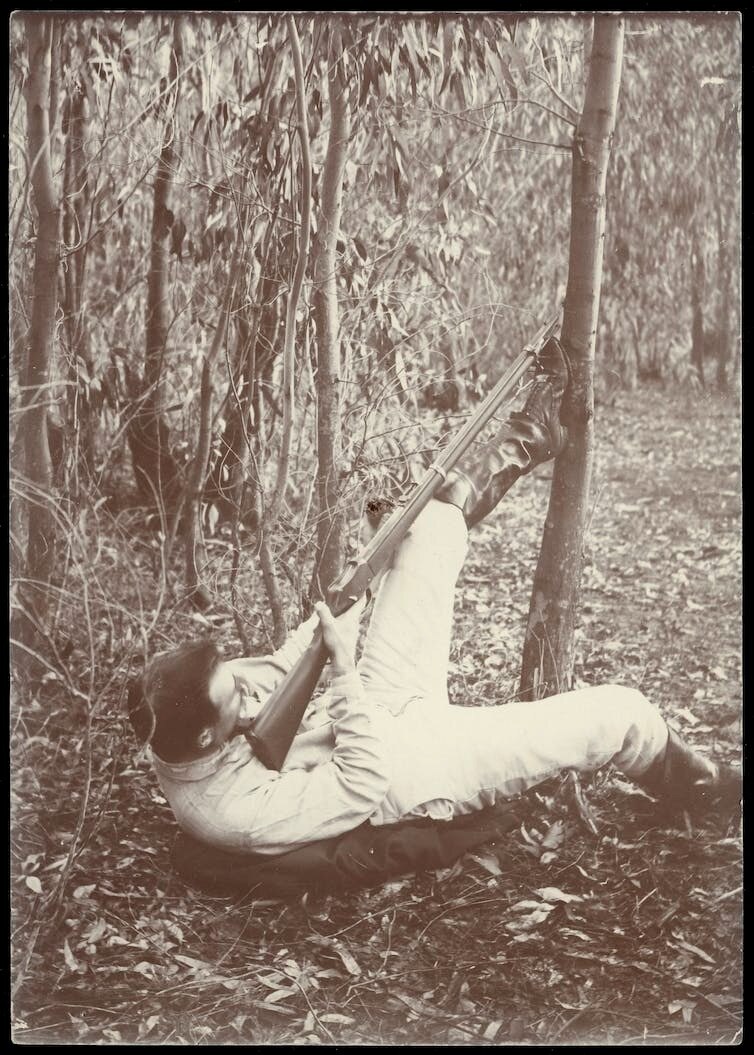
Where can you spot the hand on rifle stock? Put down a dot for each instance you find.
(338, 644)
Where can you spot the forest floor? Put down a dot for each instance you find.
(632, 935)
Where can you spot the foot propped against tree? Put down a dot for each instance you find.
(528, 438)
(537, 427)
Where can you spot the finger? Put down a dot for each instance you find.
(326, 617)
(329, 628)
(349, 626)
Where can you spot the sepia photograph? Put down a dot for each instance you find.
(375, 553)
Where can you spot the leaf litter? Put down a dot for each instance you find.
(559, 935)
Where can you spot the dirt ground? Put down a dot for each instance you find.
(631, 935)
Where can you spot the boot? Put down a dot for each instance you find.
(528, 438)
(684, 780)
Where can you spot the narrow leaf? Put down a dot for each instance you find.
(196, 965)
(554, 836)
(696, 950)
(529, 906)
(96, 931)
(70, 960)
(349, 962)
(148, 1025)
(489, 862)
(280, 994)
(551, 893)
(83, 892)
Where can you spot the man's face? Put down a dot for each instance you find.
(230, 692)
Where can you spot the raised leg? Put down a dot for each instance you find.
(526, 439)
(405, 655)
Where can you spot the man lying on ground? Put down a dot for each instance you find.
(384, 743)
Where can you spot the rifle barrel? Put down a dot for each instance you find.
(405, 515)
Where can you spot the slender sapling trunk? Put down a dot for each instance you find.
(331, 525)
(548, 655)
(155, 469)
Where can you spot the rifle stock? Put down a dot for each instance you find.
(278, 721)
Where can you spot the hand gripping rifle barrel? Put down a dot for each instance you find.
(278, 721)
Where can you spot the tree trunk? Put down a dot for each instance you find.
(195, 549)
(331, 525)
(80, 422)
(154, 466)
(697, 302)
(38, 484)
(548, 655)
(287, 395)
(223, 488)
(256, 318)
(724, 328)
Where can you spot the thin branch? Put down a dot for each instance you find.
(558, 96)
(501, 102)
(195, 483)
(506, 135)
(121, 202)
(549, 110)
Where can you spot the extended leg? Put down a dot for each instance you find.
(506, 750)
(493, 753)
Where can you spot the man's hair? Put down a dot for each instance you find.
(169, 704)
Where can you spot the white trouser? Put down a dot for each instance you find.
(480, 753)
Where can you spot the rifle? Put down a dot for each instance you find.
(278, 721)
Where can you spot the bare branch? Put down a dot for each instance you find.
(557, 94)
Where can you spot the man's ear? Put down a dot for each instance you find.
(205, 737)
